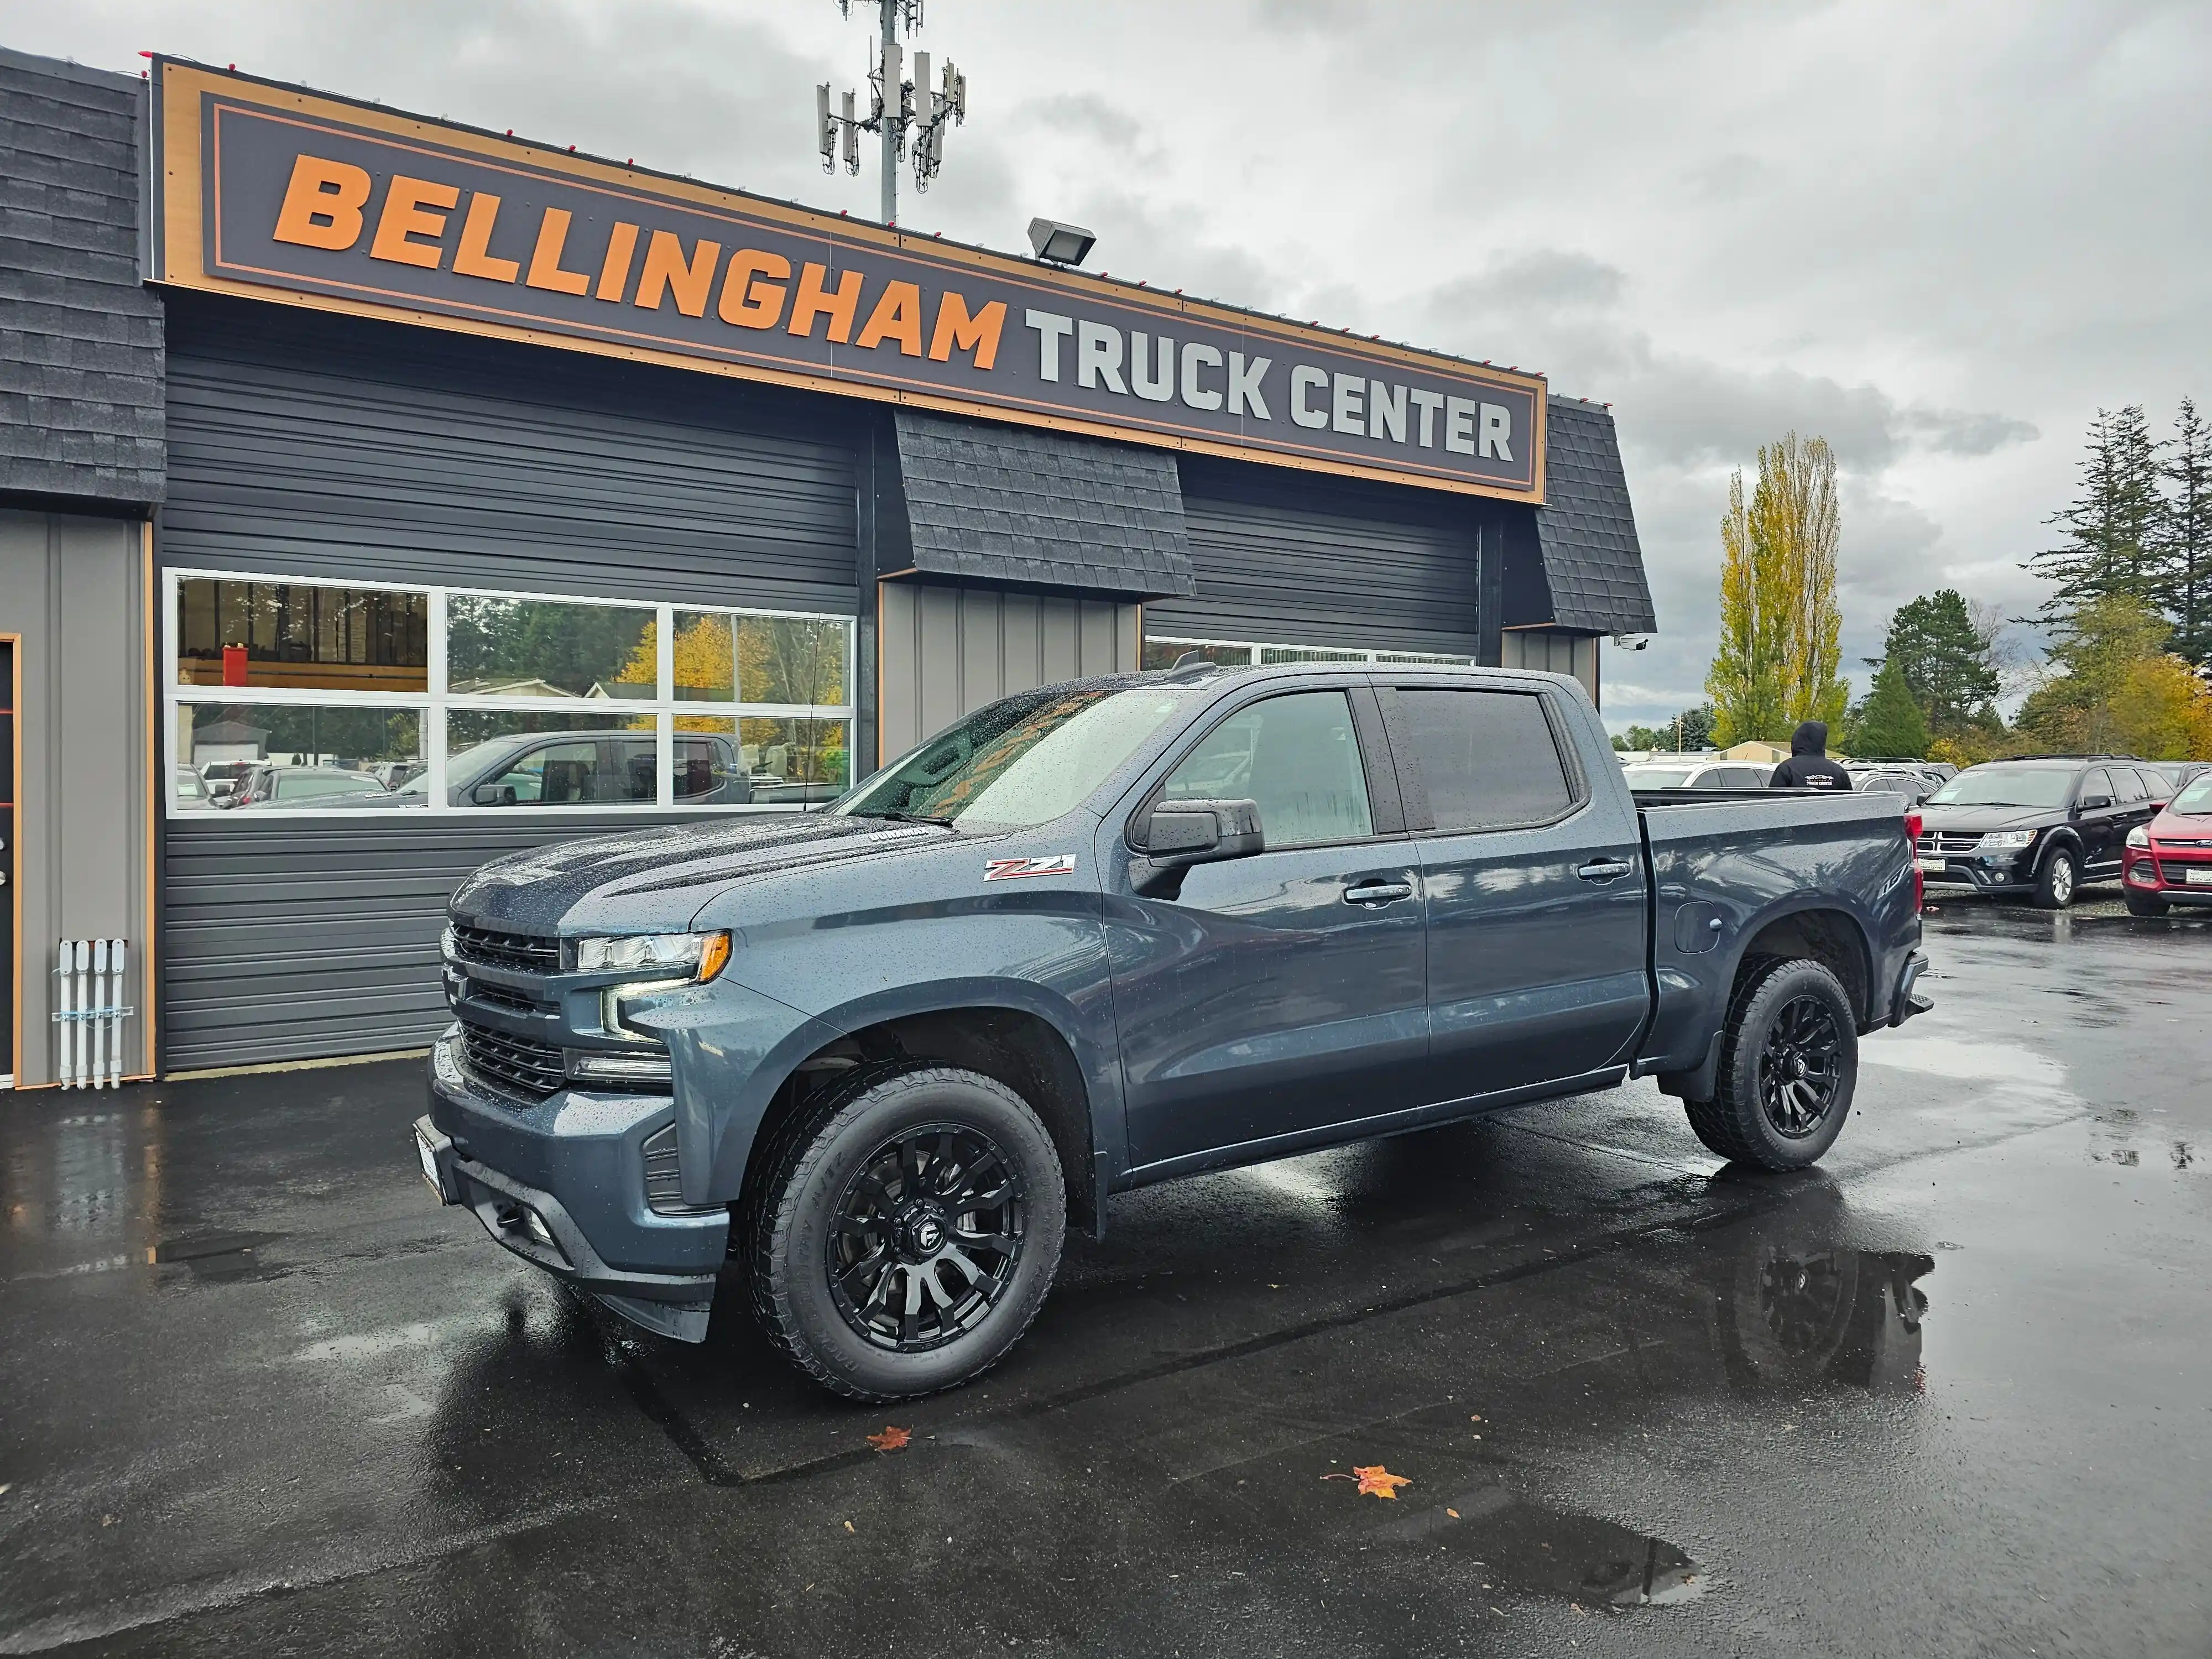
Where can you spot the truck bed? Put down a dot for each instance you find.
(1721, 856)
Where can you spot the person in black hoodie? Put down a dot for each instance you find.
(1809, 766)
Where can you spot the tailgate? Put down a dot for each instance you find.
(1722, 868)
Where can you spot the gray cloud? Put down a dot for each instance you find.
(1940, 243)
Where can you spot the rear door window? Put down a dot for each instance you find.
(1298, 756)
(1488, 758)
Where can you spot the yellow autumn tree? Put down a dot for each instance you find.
(1781, 645)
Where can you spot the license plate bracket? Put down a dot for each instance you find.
(2201, 877)
(427, 1144)
(1929, 866)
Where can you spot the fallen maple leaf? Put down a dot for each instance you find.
(892, 1440)
(1374, 1478)
(1453, 1513)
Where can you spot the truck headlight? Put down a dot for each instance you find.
(704, 955)
(2140, 835)
(2007, 840)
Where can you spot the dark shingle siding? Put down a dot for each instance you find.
(81, 336)
(1013, 504)
(1587, 529)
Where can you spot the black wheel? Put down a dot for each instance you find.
(1789, 1058)
(2146, 904)
(908, 1231)
(2056, 881)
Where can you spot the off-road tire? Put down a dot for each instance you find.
(1734, 1124)
(805, 1173)
(2054, 892)
(2145, 905)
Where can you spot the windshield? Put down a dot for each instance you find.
(2006, 785)
(2195, 801)
(1655, 777)
(1023, 761)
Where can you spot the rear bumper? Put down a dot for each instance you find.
(1908, 998)
(560, 1183)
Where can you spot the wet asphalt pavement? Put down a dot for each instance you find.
(1947, 1395)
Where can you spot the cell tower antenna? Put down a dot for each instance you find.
(896, 103)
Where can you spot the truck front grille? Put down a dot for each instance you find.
(528, 952)
(520, 1064)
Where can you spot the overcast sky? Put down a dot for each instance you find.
(1939, 236)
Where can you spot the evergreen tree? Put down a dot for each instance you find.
(2185, 546)
(1943, 656)
(1889, 722)
(2114, 527)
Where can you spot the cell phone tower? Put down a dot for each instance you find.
(896, 105)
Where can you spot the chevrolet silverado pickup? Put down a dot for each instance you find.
(1106, 933)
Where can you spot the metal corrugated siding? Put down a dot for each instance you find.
(325, 446)
(297, 941)
(1286, 559)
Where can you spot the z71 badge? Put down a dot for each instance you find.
(1059, 864)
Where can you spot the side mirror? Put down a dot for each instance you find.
(1177, 834)
(2093, 803)
(493, 794)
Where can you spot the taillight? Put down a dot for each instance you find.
(1912, 825)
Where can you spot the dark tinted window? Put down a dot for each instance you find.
(2094, 783)
(2131, 786)
(1487, 757)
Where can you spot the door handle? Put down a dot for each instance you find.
(1378, 893)
(1605, 869)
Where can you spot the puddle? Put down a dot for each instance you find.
(1524, 1546)
(218, 1258)
(1790, 1319)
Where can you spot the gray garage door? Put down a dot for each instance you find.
(322, 448)
(1280, 558)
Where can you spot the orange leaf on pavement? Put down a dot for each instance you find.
(892, 1440)
(1373, 1480)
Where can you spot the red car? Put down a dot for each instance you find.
(2169, 861)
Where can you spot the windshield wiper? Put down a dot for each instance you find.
(907, 818)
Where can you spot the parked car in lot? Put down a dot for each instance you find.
(191, 788)
(1696, 773)
(280, 786)
(2040, 825)
(1104, 934)
(2178, 774)
(612, 768)
(2169, 861)
(1892, 778)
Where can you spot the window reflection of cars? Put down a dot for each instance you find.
(617, 767)
(192, 789)
(281, 787)
(1697, 775)
(223, 778)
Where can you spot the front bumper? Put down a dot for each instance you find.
(2166, 879)
(1987, 872)
(560, 1183)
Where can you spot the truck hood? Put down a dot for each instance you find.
(663, 875)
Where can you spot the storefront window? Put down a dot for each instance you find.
(271, 757)
(301, 637)
(497, 648)
(336, 692)
(1161, 651)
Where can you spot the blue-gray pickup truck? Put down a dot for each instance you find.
(1102, 934)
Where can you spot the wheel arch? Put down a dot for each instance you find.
(1831, 935)
(1013, 1040)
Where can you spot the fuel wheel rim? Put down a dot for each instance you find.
(926, 1238)
(1800, 1066)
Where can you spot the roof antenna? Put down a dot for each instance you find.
(1190, 666)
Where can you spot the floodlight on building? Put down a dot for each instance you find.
(1063, 245)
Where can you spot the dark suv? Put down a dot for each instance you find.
(2040, 825)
